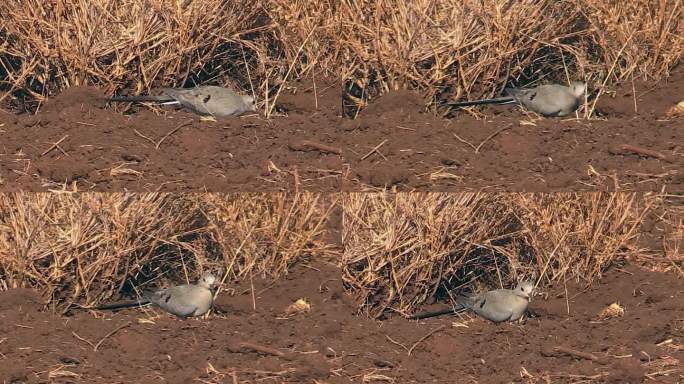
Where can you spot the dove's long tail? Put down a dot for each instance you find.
(123, 304)
(158, 99)
(426, 315)
(496, 100)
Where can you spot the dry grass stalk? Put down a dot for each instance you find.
(87, 248)
(401, 249)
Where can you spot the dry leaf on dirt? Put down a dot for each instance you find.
(299, 306)
(676, 110)
(613, 310)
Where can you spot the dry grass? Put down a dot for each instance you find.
(668, 233)
(673, 245)
(267, 233)
(446, 48)
(401, 249)
(49, 46)
(86, 248)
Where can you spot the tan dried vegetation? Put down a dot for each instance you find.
(403, 249)
(399, 250)
(670, 225)
(88, 248)
(446, 48)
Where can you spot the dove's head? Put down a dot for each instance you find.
(208, 281)
(249, 102)
(524, 288)
(578, 88)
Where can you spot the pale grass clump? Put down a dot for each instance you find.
(673, 245)
(579, 235)
(673, 240)
(87, 248)
(267, 233)
(402, 249)
(668, 232)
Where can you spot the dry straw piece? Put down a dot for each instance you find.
(402, 249)
(446, 48)
(91, 247)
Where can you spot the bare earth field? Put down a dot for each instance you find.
(332, 345)
(103, 150)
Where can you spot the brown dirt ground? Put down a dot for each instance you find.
(104, 150)
(332, 345)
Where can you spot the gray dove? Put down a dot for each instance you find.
(182, 300)
(497, 305)
(206, 100)
(187, 299)
(547, 100)
(500, 304)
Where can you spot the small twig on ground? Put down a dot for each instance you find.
(144, 137)
(181, 125)
(621, 149)
(308, 146)
(477, 150)
(375, 149)
(55, 145)
(247, 347)
(251, 284)
(441, 327)
(82, 339)
(465, 141)
(560, 350)
(117, 329)
(396, 343)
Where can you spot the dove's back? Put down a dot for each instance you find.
(548, 99)
(497, 305)
(182, 300)
(211, 100)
